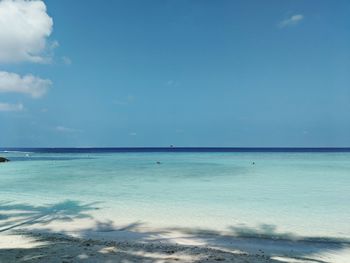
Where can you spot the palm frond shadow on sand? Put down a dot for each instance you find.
(14, 215)
(128, 244)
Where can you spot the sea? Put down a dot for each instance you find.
(269, 192)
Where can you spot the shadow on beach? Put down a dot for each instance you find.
(106, 242)
(13, 215)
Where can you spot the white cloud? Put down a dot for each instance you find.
(11, 107)
(27, 84)
(65, 129)
(172, 83)
(24, 29)
(66, 60)
(291, 21)
(124, 101)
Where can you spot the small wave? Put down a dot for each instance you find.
(25, 152)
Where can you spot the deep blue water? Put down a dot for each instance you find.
(178, 149)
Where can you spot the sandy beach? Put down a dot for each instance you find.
(60, 248)
(62, 235)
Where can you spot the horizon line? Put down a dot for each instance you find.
(172, 149)
(176, 147)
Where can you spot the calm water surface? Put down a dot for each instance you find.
(298, 193)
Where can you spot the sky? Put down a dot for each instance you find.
(89, 73)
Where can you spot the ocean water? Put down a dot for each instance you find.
(270, 193)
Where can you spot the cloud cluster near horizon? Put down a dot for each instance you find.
(25, 28)
(291, 21)
(65, 129)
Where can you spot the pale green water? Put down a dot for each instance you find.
(306, 194)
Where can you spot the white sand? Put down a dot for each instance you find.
(71, 232)
(84, 240)
(56, 248)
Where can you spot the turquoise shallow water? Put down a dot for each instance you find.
(305, 194)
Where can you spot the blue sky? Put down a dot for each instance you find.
(188, 73)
